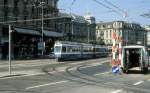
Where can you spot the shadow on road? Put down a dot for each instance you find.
(138, 72)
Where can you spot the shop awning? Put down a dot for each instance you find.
(27, 31)
(52, 34)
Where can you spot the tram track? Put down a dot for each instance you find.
(106, 83)
(73, 73)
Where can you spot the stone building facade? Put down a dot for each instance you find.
(132, 33)
(77, 28)
(147, 28)
(26, 18)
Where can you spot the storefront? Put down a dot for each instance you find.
(26, 43)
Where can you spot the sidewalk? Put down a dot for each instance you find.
(4, 64)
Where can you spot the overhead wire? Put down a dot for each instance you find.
(108, 2)
(110, 8)
(125, 13)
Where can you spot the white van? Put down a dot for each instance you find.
(134, 56)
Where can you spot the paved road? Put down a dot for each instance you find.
(88, 76)
(24, 66)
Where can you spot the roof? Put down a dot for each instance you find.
(52, 33)
(27, 31)
(76, 18)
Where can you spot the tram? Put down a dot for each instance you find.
(64, 50)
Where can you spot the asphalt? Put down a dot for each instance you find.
(23, 67)
(38, 66)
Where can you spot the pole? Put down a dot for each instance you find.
(145, 38)
(10, 49)
(42, 30)
(126, 38)
(88, 33)
(72, 31)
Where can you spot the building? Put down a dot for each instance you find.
(91, 22)
(25, 16)
(147, 28)
(76, 28)
(132, 33)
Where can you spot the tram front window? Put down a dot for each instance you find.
(57, 49)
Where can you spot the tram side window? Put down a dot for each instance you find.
(64, 49)
(76, 49)
(69, 49)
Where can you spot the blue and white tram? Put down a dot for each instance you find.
(87, 50)
(64, 50)
(100, 51)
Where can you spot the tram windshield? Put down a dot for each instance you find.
(57, 49)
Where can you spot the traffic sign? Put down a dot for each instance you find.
(115, 69)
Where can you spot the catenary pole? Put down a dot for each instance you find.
(10, 49)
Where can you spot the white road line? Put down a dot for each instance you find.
(10, 77)
(117, 91)
(48, 84)
(101, 73)
(137, 83)
(148, 80)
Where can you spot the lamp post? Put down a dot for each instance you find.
(72, 30)
(145, 37)
(42, 4)
(10, 31)
(88, 32)
(126, 38)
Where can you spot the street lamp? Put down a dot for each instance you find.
(42, 4)
(88, 32)
(72, 29)
(10, 31)
(145, 37)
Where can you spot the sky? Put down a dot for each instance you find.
(131, 8)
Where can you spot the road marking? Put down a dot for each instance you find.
(101, 73)
(148, 80)
(117, 91)
(137, 83)
(20, 76)
(48, 84)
